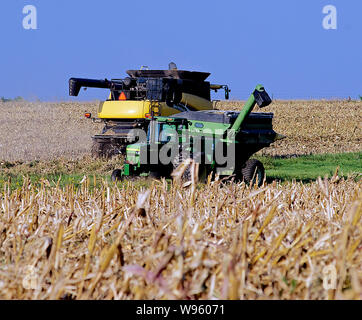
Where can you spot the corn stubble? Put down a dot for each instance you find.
(217, 240)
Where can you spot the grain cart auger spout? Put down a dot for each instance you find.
(142, 95)
(204, 136)
(259, 97)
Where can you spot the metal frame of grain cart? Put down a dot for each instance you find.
(142, 95)
(203, 136)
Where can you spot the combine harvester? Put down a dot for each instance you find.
(142, 95)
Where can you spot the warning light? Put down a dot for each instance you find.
(88, 115)
(148, 116)
(122, 96)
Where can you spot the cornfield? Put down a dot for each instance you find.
(218, 240)
(168, 240)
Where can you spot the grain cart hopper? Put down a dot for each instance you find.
(220, 141)
(141, 96)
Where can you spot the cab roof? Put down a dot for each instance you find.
(173, 74)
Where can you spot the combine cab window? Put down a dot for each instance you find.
(164, 132)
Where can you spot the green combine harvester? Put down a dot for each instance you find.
(221, 142)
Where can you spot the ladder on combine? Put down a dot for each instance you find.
(155, 109)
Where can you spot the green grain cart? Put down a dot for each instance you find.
(221, 142)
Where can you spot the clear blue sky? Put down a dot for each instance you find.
(279, 43)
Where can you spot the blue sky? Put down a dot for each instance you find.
(279, 43)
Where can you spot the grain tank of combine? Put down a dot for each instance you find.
(142, 95)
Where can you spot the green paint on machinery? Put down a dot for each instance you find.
(221, 142)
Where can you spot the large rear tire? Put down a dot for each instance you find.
(253, 172)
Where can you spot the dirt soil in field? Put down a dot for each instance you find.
(42, 131)
(312, 127)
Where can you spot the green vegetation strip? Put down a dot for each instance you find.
(308, 168)
(299, 168)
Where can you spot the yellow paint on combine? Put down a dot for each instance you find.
(130, 109)
(196, 102)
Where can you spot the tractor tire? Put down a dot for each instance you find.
(253, 171)
(117, 175)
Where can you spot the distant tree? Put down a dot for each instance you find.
(2, 99)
